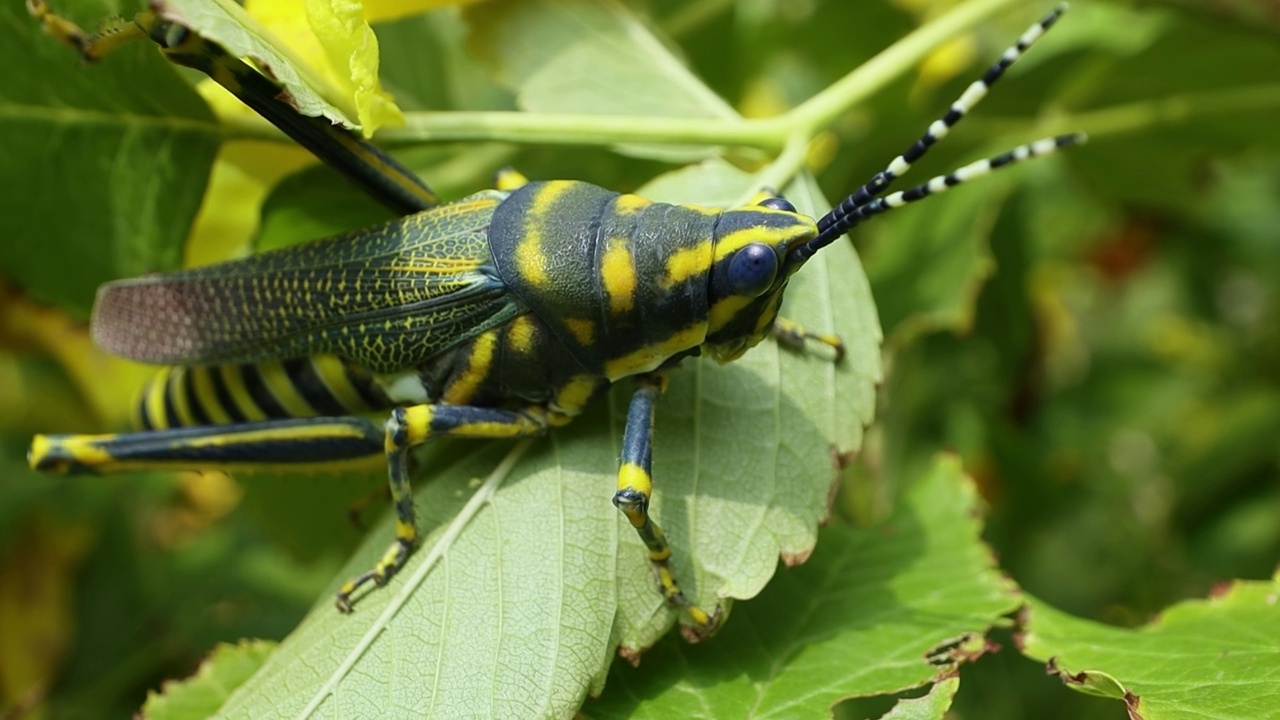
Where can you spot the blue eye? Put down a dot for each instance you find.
(752, 269)
(778, 203)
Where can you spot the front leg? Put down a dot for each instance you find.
(635, 485)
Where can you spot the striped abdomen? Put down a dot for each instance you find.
(319, 386)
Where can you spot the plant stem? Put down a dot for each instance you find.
(553, 129)
(778, 173)
(822, 109)
(1145, 114)
(767, 133)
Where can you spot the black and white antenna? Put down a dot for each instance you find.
(866, 200)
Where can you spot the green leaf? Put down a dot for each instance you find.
(549, 572)
(586, 57)
(228, 25)
(931, 706)
(104, 166)
(425, 63)
(317, 202)
(577, 574)
(875, 611)
(1201, 658)
(927, 268)
(314, 202)
(591, 58)
(200, 695)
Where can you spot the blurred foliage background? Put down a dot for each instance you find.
(1095, 336)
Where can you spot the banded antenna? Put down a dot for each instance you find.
(866, 201)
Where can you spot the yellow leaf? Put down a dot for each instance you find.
(336, 42)
(289, 25)
(352, 51)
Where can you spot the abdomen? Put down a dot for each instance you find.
(320, 386)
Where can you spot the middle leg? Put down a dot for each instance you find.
(409, 427)
(635, 486)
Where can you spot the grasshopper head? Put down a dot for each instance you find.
(749, 273)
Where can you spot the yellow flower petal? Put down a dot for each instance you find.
(352, 52)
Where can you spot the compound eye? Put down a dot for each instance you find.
(778, 203)
(752, 269)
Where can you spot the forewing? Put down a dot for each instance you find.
(387, 297)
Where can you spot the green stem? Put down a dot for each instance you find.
(768, 133)
(822, 109)
(553, 129)
(778, 173)
(1143, 115)
(1135, 117)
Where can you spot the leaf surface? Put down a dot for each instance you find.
(103, 166)
(877, 610)
(200, 695)
(1214, 658)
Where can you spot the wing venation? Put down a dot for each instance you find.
(387, 298)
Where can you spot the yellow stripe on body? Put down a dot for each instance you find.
(520, 334)
(155, 399)
(206, 396)
(584, 331)
(367, 463)
(725, 310)
(479, 362)
(234, 382)
(277, 382)
(531, 261)
(618, 275)
(687, 263)
(628, 204)
(575, 394)
(765, 321)
(650, 357)
(332, 373)
(178, 397)
(418, 420)
(774, 237)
